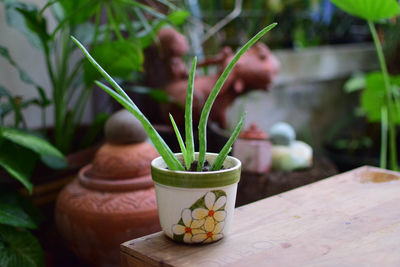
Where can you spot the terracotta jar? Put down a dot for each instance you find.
(111, 201)
(253, 149)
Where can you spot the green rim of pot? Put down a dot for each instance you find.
(185, 179)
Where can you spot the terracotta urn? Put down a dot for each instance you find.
(253, 149)
(113, 198)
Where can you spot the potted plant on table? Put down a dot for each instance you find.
(195, 191)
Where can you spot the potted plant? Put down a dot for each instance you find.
(195, 191)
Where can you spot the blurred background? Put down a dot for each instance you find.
(327, 89)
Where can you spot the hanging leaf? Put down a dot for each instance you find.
(16, 20)
(372, 10)
(19, 247)
(35, 23)
(22, 74)
(18, 161)
(30, 141)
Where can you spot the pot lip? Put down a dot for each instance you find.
(133, 184)
(237, 165)
(190, 179)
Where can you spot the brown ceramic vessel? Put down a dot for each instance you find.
(111, 201)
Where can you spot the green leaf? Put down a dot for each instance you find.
(22, 74)
(4, 92)
(180, 141)
(78, 11)
(55, 163)
(18, 162)
(214, 93)
(14, 215)
(19, 247)
(175, 18)
(373, 97)
(35, 23)
(228, 146)
(189, 115)
(372, 10)
(43, 101)
(30, 141)
(8, 195)
(178, 17)
(355, 83)
(121, 58)
(16, 20)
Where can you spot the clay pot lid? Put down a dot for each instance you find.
(254, 133)
(116, 162)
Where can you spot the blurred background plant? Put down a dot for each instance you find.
(303, 23)
(380, 96)
(116, 32)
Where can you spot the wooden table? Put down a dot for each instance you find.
(352, 219)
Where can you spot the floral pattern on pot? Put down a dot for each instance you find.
(203, 222)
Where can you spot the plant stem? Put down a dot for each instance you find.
(391, 123)
(114, 24)
(384, 130)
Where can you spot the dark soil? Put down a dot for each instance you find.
(206, 167)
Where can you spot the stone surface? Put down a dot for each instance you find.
(123, 128)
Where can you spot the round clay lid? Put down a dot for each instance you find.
(254, 133)
(117, 162)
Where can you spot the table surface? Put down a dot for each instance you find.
(351, 219)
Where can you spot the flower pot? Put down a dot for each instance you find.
(196, 207)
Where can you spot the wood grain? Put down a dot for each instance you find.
(352, 219)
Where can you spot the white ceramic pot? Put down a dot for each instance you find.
(196, 207)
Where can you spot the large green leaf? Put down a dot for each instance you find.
(17, 161)
(373, 97)
(370, 9)
(15, 216)
(30, 141)
(19, 247)
(22, 74)
(120, 58)
(16, 19)
(9, 196)
(78, 11)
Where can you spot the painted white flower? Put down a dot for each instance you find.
(209, 234)
(211, 213)
(191, 226)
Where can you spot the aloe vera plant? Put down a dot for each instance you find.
(187, 148)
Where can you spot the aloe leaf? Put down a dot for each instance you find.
(214, 93)
(180, 141)
(228, 146)
(189, 115)
(162, 148)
